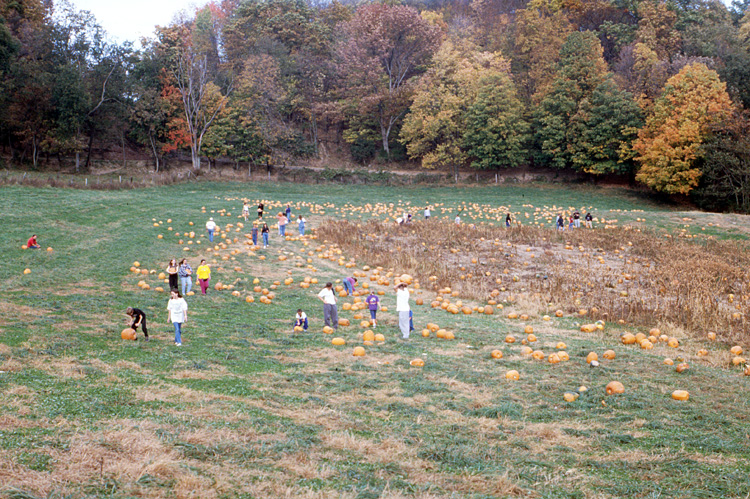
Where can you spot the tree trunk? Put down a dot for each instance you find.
(153, 148)
(88, 153)
(195, 155)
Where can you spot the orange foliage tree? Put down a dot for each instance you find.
(669, 145)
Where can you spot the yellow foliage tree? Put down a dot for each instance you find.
(670, 143)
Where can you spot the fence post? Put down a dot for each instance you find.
(87, 182)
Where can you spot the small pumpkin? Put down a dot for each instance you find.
(496, 354)
(417, 363)
(128, 334)
(338, 341)
(512, 375)
(609, 354)
(680, 395)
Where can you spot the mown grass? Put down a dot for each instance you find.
(247, 409)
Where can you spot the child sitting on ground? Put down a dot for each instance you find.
(300, 319)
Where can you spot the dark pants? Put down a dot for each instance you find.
(173, 286)
(143, 327)
(331, 315)
(255, 237)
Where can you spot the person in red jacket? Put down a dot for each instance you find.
(31, 243)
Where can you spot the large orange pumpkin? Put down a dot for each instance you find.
(128, 334)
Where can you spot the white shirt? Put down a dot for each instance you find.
(427, 212)
(402, 300)
(210, 225)
(301, 317)
(245, 209)
(177, 309)
(458, 220)
(328, 297)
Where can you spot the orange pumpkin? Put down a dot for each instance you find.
(128, 334)
(614, 387)
(496, 354)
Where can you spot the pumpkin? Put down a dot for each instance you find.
(441, 333)
(338, 341)
(563, 355)
(510, 339)
(425, 333)
(417, 363)
(128, 334)
(344, 322)
(647, 345)
(327, 329)
(747, 371)
(449, 335)
(668, 362)
(588, 328)
(561, 346)
(609, 354)
(162, 275)
(682, 367)
(359, 352)
(512, 375)
(654, 332)
(526, 350)
(512, 315)
(737, 360)
(27, 271)
(554, 358)
(368, 336)
(592, 356)
(299, 329)
(570, 396)
(712, 336)
(702, 352)
(558, 313)
(528, 330)
(496, 354)
(159, 289)
(736, 350)
(680, 395)
(379, 337)
(627, 339)
(420, 301)
(614, 387)
(537, 355)
(531, 338)
(673, 342)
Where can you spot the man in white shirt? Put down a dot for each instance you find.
(330, 312)
(211, 227)
(402, 307)
(427, 212)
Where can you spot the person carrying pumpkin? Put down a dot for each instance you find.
(139, 319)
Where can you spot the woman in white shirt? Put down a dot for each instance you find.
(330, 311)
(177, 314)
(402, 307)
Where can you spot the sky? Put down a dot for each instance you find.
(132, 19)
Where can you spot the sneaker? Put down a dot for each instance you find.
(178, 344)
(146, 338)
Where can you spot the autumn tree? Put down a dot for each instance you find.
(381, 50)
(668, 147)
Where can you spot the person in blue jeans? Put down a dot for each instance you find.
(300, 319)
(256, 226)
(301, 221)
(211, 227)
(185, 272)
(177, 314)
(288, 212)
(264, 234)
(349, 283)
(373, 303)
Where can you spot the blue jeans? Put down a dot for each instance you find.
(301, 229)
(255, 237)
(348, 287)
(282, 230)
(187, 282)
(265, 239)
(177, 332)
(373, 313)
(210, 235)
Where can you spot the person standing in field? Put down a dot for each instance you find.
(139, 319)
(260, 210)
(288, 212)
(330, 312)
(560, 223)
(301, 222)
(589, 220)
(427, 213)
(264, 234)
(570, 223)
(457, 220)
(257, 224)
(204, 275)
(373, 304)
(349, 284)
(508, 220)
(211, 227)
(577, 219)
(282, 221)
(245, 210)
(186, 276)
(403, 309)
(172, 271)
(177, 314)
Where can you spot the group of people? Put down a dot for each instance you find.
(330, 307)
(259, 226)
(177, 309)
(574, 221)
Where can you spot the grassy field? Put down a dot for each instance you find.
(246, 408)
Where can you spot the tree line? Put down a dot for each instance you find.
(653, 90)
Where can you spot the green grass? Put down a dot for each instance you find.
(246, 409)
